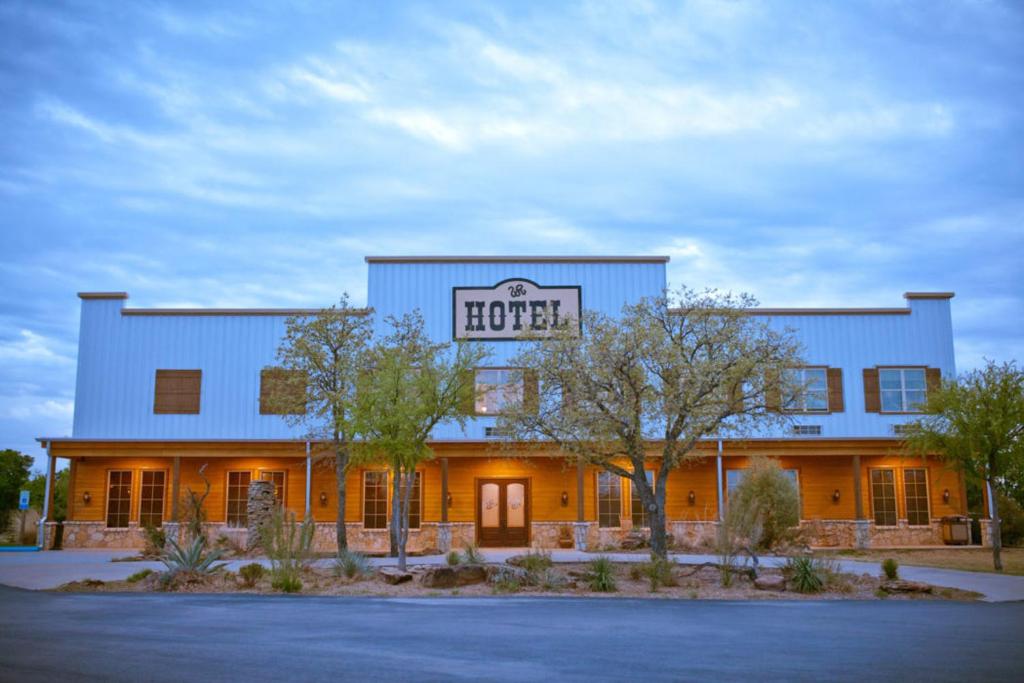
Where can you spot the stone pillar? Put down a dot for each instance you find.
(260, 507)
(862, 534)
(986, 533)
(444, 537)
(580, 533)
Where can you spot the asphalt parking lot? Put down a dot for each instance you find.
(175, 637)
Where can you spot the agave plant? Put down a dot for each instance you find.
(190, 558)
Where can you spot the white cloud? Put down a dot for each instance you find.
(29, 347)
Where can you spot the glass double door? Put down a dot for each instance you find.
(503, 513)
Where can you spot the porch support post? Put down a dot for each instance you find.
(579, 491)
(580, 528)
(175, 489)
(862, 526)
(47, 500)
(309, 481)
(718, 497)
(444, 529)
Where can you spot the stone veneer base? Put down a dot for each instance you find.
(695, 535)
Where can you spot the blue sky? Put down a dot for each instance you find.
(813, 154)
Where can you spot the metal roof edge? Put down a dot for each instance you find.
(517, 259)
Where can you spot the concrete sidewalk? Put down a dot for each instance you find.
(44, 570)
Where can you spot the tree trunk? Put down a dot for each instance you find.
(396, 509)
(340, 470)
(659, 539)
(406, 491)
(997, 534)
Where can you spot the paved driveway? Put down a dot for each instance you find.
(160, 637)
(51, 569)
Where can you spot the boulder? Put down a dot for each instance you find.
(504, 572)
(516, 560)
(393, 576)
(439, 577)
(634, 542)
(466, 574)
(901, 586)
(771, 582)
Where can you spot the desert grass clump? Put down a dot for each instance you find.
(891, 568)
(535, 561)
(602, 575)
(471, 554)
(549, 579)
(453, 558)
(658, 572)
(251, 573)
(287, 544)
(352, 565)
(140, 575)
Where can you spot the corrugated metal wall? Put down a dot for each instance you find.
(118, 355)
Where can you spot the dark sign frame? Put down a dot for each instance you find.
(455, 290)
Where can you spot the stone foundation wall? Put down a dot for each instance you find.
(547, 535)
(903, 534)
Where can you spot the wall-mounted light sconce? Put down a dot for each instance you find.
(323, 498)
(449, 499)
(565, 499)
(86, 498)
(691, 497)
(835, 496)
(945, 496)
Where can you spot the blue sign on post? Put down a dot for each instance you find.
(23, 501)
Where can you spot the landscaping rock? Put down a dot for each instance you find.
(770, 583)
(901, 586)
(516, 560)
(500, 572)
(634, 542)
(393, 576)
(466, 574)
(439, 577)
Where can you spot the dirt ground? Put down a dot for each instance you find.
(563, 579)
(967, 559)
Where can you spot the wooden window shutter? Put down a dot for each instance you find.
(282, 392)
(872, 397)
(467, 398)
(835, 390)
(531, 391)
(932, 378)
(177, 392)
(772, 392)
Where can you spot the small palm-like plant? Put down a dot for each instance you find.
(454, 558)
(352, 564)
(891, 568)
(807, 574)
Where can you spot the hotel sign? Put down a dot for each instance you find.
(513, 308)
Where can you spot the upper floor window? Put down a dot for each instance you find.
(497, 388)
(902, 390)
(810, 390)
(177, 392)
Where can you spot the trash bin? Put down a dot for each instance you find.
(956, 530)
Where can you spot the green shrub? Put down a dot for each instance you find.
(1011, 521)
(807, 574)
(725, 547)
(471, 554)
(535, 561)
(286, 582)
(506, 585)
(454, 558)
(352, 565)
(891, 568)
(658, 572)
(287, 544)
(602, 575)
(765, 508)
(251, 573)
(140, 575)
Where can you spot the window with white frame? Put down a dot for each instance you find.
(902, 390)
(375, 500)
(497, 388)
(277, 477)
(238, 498)
(809, 390)
(119, 497)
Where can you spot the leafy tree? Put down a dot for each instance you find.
(321, 356)
(14, 474)
(37, 487)
(763, 508)
(977, 424)
(646, 388)
(411, 385)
